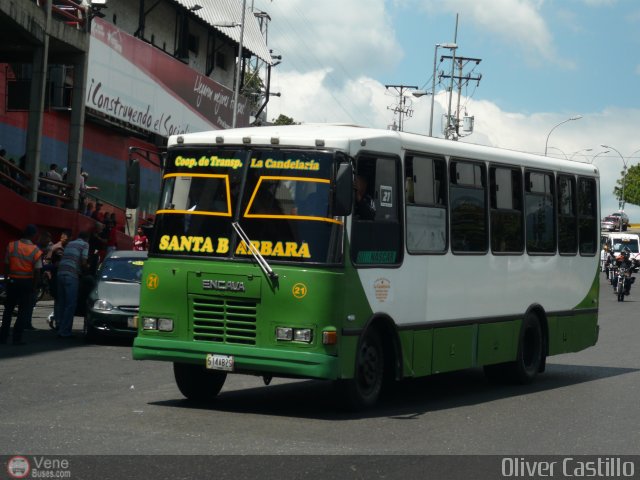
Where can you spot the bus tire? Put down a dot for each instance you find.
(196, 382)
(362, 391)
(530, 358)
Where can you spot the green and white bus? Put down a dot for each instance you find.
(363, 256)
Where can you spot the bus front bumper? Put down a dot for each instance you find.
(247, 359)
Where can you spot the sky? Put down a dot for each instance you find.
(542, 62)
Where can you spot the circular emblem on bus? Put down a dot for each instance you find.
(299, 290)
(152, 281)
(18, 467)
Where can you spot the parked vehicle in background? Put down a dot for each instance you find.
(115, 299)
(610, 223)
(623, 217)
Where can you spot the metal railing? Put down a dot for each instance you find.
(69, 11)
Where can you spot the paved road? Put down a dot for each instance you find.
(64, 397)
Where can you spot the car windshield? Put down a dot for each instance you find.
(611, 219)
(631, 244)
(121, 270)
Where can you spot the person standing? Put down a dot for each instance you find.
(74, 261)
(23, 262)
(52, 174)
(140, 241)
(54, 257)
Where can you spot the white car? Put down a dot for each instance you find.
(624, 217)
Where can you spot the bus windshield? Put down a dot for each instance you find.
(281, 199)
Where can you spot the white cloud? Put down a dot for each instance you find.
(513, 22)
(351, 36)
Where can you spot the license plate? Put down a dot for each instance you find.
(220, 362)
(131, 322)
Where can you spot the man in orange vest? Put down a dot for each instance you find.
(23, 262)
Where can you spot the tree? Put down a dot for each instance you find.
(284, 120)
(631, 186)
(253, 89)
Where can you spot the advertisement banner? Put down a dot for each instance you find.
(136, 83)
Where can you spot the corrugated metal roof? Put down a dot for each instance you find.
(217, 12)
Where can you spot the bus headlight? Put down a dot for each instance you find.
(290, 334)
(161, 324)
(149, 323)
(165, 325)
(302, 335)
(284, 333)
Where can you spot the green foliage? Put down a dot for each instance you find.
(284, 120)
(252, 89)
(631, 186)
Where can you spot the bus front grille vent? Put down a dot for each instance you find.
(224, 320)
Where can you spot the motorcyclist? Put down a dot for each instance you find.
(625, 263)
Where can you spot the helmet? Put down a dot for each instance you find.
(626, 252)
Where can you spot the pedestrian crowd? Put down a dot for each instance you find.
(64, 268)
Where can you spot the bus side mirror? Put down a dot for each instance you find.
(343, 192)
(133, 184)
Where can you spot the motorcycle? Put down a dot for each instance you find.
(622, 282)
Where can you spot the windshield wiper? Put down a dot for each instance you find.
(268, 271)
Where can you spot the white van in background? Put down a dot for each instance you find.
(618, 241)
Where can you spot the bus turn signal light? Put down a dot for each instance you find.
(330, 337)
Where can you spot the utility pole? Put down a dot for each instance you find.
(401, 108)
(462, 80)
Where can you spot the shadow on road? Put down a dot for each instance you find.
(408, 399)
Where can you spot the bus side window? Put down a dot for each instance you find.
(539, 209)
(587, 216)
(467, 196)
(376, 230)
(426, 204)
(567, 220)
(507, 233)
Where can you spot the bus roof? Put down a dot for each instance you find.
(352, 138)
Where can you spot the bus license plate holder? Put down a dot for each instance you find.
(220, 362)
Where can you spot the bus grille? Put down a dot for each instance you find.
(224, 320)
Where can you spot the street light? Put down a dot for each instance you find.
(236, 90)
(448, 46)
(556, 148)
(577, 152)
(624, 179)
(577, 117)
(598, 154)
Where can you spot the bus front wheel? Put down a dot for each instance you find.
(363, 390)
(196, 382)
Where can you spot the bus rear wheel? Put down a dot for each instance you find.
(362, 391)
(196, 382)
(530, 358)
